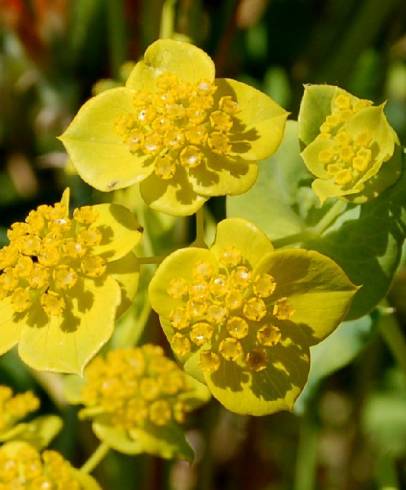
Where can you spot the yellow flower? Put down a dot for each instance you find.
(63, 281)
(241, 316)
(137, 398)
(350, 147)
(15, 408)
(175, 129)
(22, 466)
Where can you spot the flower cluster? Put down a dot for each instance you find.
(240, 307)
(241, 317)
(48, 254)
(23, 467)
(56, 273)
(178, 124)
(175, 129)
(353, 143)
(131, 387)
(136, 398)
(15, 408)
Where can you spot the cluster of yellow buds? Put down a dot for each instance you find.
(233, 309)
(47, 255)
(349, 157)
(15, 408)
(179, 123)
(23, 467)
(134, 386)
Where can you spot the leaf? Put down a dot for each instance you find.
(271, 202)
(367, 242)
(384, 422)
(168, 441)
(335, 352)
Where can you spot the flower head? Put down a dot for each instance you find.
(181, 133)
(15, 408)
(23, 466)
(137, 397)
(241, 317)
(351, 152)
(57, 274)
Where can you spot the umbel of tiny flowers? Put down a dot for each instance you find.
(137, 398)
(64, 280)
(22, 466)
(13, 409)
(175, 129)
(350, 146)
(241, 316)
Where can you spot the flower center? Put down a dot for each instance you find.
(178, 124)
(46, 257)
(134, 386)
(233, 313)
(350, 156)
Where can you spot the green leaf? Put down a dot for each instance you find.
(167, 442)
(367, 242)
(384, 422)
(271, 202)
(335, 352)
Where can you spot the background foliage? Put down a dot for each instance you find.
(349, 427)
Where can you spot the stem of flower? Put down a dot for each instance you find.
(157, 259)
(293, 239)
(95, 458)
(117, 37)
(393, 337)
(167, 28)
(387, 474)
(199, 242)
(328, 219)
(306, 459)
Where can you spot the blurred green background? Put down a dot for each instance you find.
(349, 428)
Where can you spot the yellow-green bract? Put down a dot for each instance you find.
(241, 316)
(175, 129)
(63, 282)
(349, 145)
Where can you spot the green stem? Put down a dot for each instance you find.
(305, 471)
(117, 35)
(199, 241)
(392, 335)
(293, 239)
(151, 260)
(167, 28)
(95, 458)
(328, 219)
(387, 474)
